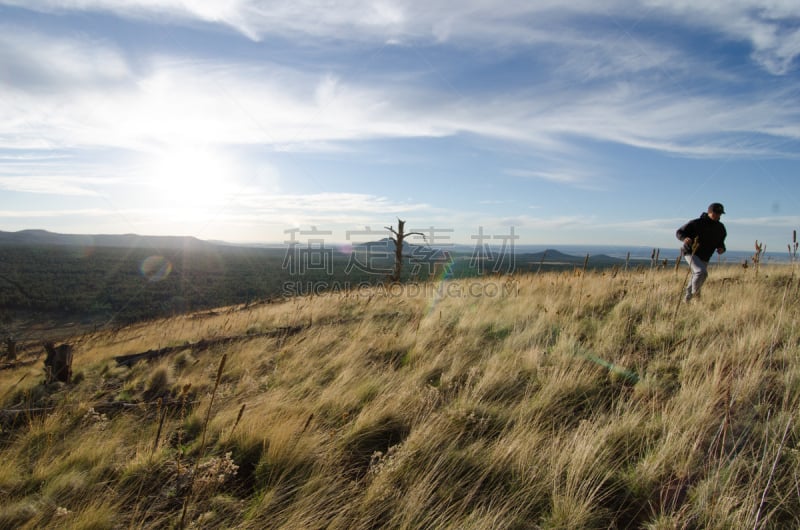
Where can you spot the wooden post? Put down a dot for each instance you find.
(58, 363)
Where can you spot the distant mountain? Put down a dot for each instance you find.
(45, 238)
(552, 257)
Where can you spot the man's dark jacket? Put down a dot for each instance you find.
(711, 236)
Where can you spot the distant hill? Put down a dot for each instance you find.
(44, 238)
(552, 256)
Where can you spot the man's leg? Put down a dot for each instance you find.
(699, 275)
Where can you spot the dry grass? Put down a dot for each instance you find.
(557, 400)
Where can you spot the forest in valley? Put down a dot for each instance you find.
(99, 285)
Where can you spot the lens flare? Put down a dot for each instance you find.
(445, 273)
(155, 268)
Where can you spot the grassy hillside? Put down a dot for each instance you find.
(555, 400)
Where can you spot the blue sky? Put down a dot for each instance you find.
(577, 122)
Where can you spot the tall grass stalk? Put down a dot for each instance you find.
(238, 419)
(760, 249)
(202, 452)
(771, 473)
(541, 262)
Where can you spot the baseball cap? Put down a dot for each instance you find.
(716, 208)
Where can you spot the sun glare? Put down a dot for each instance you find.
(192, 179)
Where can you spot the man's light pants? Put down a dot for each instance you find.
(699, 275)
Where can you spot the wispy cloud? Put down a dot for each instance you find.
(71, 213)
(41, 64)
(559, 177)
(790, 222)
(769, 27)
(527, 222)
(349, 203)
(49, 184)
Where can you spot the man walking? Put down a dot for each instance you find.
(701, 237)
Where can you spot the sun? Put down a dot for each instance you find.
(192, 178)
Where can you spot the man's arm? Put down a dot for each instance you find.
(721, 249)
(686, 233)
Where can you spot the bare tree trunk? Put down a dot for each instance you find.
(399, 237)
(398, 250)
